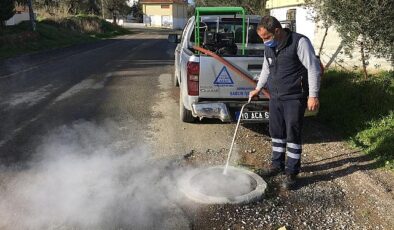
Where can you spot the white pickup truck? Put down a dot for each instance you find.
(209, 88)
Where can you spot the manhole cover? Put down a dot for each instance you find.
(211, 186)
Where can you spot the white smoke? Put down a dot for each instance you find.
(89, 177)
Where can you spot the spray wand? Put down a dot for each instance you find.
(235, 134)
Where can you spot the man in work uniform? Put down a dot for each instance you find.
(291, 72)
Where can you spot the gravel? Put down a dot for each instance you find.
(324, 199)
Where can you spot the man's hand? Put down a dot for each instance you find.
(254, 93)
(313, 103)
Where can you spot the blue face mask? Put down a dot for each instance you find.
(271, 43)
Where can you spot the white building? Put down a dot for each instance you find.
(21, 14)
(294, 12)
(165, 13)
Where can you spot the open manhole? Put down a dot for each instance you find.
(211, 186)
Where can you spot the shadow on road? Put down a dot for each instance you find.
(330, 170)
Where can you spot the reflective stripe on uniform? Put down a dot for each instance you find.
(278, 149)
(294, 146)
(292, 155)
(278, 140)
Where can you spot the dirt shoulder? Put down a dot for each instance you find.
(340, 188)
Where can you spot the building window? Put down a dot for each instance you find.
(291, 19)
(165, 6)
(291, 14)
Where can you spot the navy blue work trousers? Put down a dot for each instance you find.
(285, 126)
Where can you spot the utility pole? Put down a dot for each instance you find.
(102, 8)
(31, 14)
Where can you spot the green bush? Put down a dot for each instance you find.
(361, 111)
(52, 33)
(378, 139)
(87, 24)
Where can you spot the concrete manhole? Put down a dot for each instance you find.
(211, 186)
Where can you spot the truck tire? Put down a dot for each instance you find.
(185, 114)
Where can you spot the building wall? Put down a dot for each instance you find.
(343, 60)
(155, 9)
(18, 18)
(283, 3)
(152, 20)
(304, 23)
(315, 32)
(179, 16)
(153, 14)
(173, 17)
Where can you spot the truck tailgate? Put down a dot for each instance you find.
(220, 82)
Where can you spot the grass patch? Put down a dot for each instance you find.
(362, 111)
(54, 33)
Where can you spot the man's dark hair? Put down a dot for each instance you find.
(270, 23)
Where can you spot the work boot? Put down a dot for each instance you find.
(290, 182)
(269, 172)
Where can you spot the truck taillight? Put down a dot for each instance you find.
(193, 72)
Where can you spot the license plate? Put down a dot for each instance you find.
(253, 115)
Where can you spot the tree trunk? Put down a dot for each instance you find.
(334, 56)
(31, 15)
(363, 59)
(114, 18)
(102, 8)
(322, 42)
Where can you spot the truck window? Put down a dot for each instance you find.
(233, 29)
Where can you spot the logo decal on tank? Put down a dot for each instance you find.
(223, 78)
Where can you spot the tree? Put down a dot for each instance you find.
(31, 15)
(58, 8)
(90, 7)
(65, 8)
(136, 11)
(116, 8)
(190, 10)
(7, 10)
(365, 24)
(251, 6)
(29, 3)
(320, 17)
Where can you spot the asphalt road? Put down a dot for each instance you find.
(112, 99)
(90, 138)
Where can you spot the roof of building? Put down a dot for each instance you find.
(272, 4)
(163, 1)
(22, 8)
(219, 10)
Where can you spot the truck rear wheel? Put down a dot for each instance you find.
(185, 114)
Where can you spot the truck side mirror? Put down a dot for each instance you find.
(173, 38)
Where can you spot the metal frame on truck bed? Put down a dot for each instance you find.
(205, 11)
